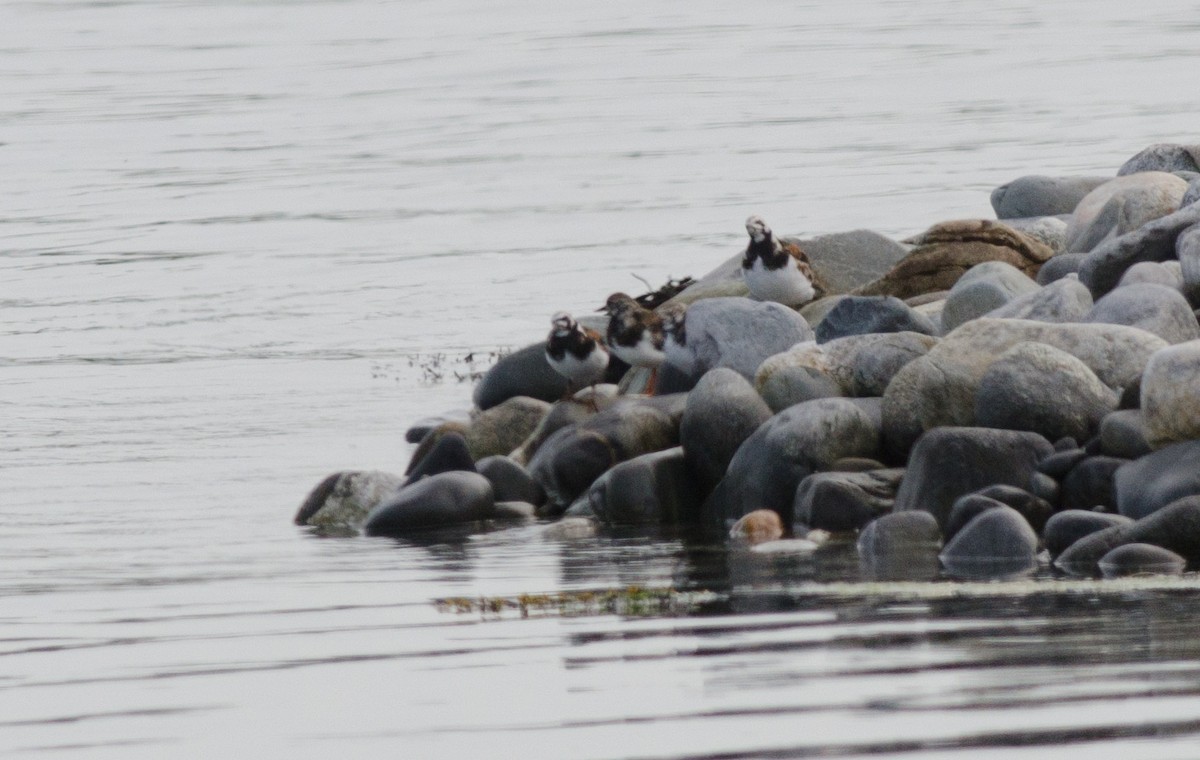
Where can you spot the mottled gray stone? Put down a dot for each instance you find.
(864, 315)
(649, 489)
(845, 501)
(983, 288)
(1060, 266)
(1123, 433)
(1187, 250)
(1163, 157)
(1051, 231)
(722, 411)
(445, 499)
(877, 361)
(1039, 195)
(503, 427)
(1171, 394)
(1153, 241)
(1036, 387)
(899, 533)
(1154, 308)
(344, 499)
(1146, 485)
(1064, 300)
(1122, 205)
(1168, 273)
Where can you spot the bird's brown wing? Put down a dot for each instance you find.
(805, 265)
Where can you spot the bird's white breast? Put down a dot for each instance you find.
(641, 354)
(786, 285)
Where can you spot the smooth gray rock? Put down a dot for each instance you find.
(344, 499)
(1123, 433)
(1187, 251)
(899, 533)
(737, 333)
(1036, 387)
(1122, 205)
(1058, 464)
(1157, 309)
(1168, 273)
(767, 468)
(1146, 485)
(563, 414)
(722, 411)
(1051, 231)
(877, 361)
(864, 315)
(845, 501)
(949, 462)
(1141, 559)
(984, 288)
(524, 372)
(1170, 399)
(1089, 484)
(939, 388)
(1045, 487)
(1039, 195)
(1033, 508)
(421, 428)
(510, 481)
(503, 427)
(1163, 157)
(1060, 266)
(1153, 241)
(449, 454)
(1193, 193)
(846, 260)
(1000, 533)
(965, 509)
(1175, 527)
(445, 499)
(1066, 527)
(646, 490)
(1064, 300)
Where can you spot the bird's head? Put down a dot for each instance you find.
(757, 229)
(562, 323)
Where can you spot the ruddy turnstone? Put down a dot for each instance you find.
(635, 335)
(776, 270)
(575, 352)
(674, 321)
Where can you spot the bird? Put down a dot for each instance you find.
(635, 334)
(575, 352)
(776, 270)
(674, 321)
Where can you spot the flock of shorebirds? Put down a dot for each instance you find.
(774, 270)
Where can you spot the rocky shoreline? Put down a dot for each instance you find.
(990, 395)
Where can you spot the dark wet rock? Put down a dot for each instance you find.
(965, 509)
(563, 414)
(939, 388)
(1065, 300)
(448, 498)
(524, 372)
(510, 481)
(1058, 464)
(1034, 509)
(757, 527)
(1141, 559)
(449, 454)
(1171, 395)
(767, 468)
(430, 441)
(572, 458)
(1039, 195)
(649, 489)
(1122, 205)
(1066, 527)
(1045, 487)
(982, 289)
(950, 462)
(1154, 308)
(864, 315)
(504, 427)
(947, 250)
(722, 412)
(737, 333)
(899, 533)
(1168, 273)
(1062, 265)
(344, 499)
(845, 501)
(418, 430)
(1163, 157)
(1131, 397)
(1039, 388)
(1089, 484)
(1187, 250)
(814, 311)
(1175, 527)
(1123, 434)
(1146, 485)
(997, 536)
(1066, 443)
(856, 464)
(1154, 241)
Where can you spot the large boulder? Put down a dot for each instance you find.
(448, 453)
(1089, 484)
(344, 499)
(1064, 300)
(1123, 433)
(940, 387)
(1154, 241)
(1169, 273)
(1157, 309)
(1039, 195)
(1141, 559)
(863, 315)
(984, 288)
(1036, 387)
(874, 360)
(737, 333)
(503, 427)
(1146, 485)
(722, 411)
(1175, 527)
(1163, 157)
(1171, 394)
(1062, 265)
(649, 489)
(845, 501)
(1068, 526)
(947, 250)
(437, 501)
(800, 440)
(510, 481)
(524, 372)
(1123, 205)
(996, 542)
(949, 462)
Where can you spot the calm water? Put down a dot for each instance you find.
(232, 234)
